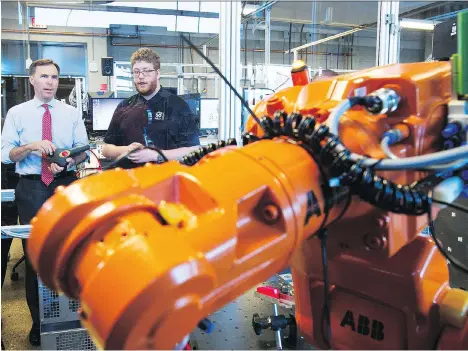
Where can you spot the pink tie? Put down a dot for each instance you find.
(46, 175)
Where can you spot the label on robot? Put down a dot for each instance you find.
(363, 325)
(313, 207)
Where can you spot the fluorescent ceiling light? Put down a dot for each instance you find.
(210, 6)
(417, 24)
(209, 25)
(188, 6)
(164, 5)
(143, 20)
(187, 24)
(100, 19)
(336, 36)
(248, 9)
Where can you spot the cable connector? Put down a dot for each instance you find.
(393, 136)
(382, 101)
(398, 133)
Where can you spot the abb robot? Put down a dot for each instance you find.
(152, 251)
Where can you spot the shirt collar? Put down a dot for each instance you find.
(39, 103)
(156, 98)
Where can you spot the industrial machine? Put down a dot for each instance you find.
(152, 251)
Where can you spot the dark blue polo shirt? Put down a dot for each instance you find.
(165, 120)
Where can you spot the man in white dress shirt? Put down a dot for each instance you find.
(32, 130)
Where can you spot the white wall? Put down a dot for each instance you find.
(100, 50)
(10, 21)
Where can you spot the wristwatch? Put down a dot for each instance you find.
(159, 159)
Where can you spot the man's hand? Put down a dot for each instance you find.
(143, 156)
(43, 146)
(55, 168)
(70, 161)
(134, 146)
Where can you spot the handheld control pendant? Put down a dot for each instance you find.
(60, 155)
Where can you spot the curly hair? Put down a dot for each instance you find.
(147, 55)
(42, 62)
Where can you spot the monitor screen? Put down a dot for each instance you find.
(209, 114)
(103, 110)
(193, 100)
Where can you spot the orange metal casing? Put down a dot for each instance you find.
(380, 267)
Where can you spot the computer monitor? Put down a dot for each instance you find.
(209, 116)
(193, 100)
(102, 110)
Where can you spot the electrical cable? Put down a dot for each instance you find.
(327, 150)
(272, 90)
(279, 86)
(419, 162)
(127, 153)
(68, 17)
(246, 105)
(452, 166)
(322, 235)
(385, 145)
(99, 168)
(97, 158)
(338, 111)
(441, 157)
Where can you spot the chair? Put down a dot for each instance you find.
(14, 274)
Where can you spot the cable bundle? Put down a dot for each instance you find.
(327, 149)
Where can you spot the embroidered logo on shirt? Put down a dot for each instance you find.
(159, 116)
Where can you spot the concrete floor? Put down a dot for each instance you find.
(16, 319)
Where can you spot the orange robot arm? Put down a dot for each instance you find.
(152, 251)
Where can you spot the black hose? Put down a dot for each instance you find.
(323, 146)
(195, 156)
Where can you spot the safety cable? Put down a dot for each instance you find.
(326, 310)
(246, 105)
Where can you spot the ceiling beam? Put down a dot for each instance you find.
(143, 10)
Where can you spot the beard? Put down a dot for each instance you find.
(148, 89)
